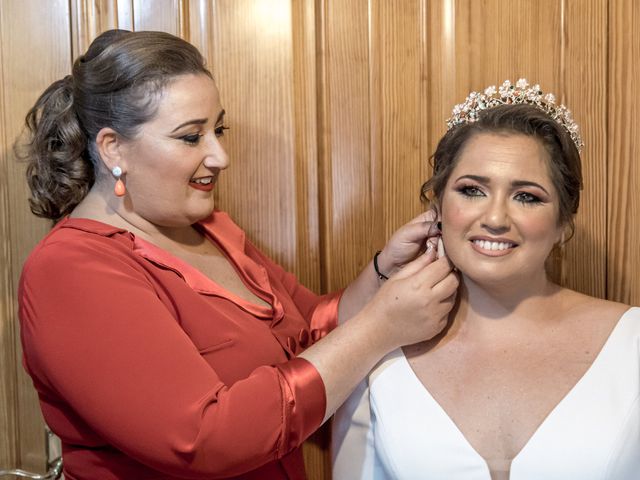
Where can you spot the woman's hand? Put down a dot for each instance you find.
(414, 304)
(408, 242)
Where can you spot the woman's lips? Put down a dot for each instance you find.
(205, 184)
(493, 248)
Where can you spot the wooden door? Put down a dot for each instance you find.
(335, 107)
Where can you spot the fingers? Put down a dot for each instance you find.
(432, 242)
(410, 239)
(434, 272)
(421, 227)
(418, 264)
(447, 287)
(417, 232)
(428, 216)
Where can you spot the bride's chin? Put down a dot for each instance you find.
(489, 281)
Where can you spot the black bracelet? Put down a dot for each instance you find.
(381, 276)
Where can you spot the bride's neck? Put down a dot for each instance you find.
(514, 301)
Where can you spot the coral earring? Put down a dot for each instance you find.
(119, 189)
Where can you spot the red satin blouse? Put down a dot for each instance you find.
(147, 369)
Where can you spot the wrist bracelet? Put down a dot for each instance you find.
(381, 276)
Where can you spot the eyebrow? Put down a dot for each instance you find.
(515, 183)
(198, 121)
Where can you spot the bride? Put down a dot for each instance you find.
(529, 380)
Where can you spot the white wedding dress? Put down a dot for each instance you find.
(392, 428)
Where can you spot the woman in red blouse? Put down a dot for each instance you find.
(162, 343)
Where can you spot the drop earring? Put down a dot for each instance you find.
(119, 189)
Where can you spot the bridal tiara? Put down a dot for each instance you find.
(509, 94)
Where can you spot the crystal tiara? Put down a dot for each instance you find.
(508, 94)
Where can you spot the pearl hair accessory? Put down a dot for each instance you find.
(119, 189)
(508, 94)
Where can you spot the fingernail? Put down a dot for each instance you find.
(429, 248)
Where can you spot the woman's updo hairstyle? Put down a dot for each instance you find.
(115, 84)
(564, 159)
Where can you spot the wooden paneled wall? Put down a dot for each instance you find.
(34, 51)
(623, 153)
(335, 107)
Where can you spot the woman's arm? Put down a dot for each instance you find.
(410, 307)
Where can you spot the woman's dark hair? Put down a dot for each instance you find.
(564, 159)
(115, 84)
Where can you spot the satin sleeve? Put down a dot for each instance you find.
(97, 340)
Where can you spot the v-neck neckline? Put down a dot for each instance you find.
(604, 351)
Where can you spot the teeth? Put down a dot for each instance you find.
(487, 245)
(203, 181)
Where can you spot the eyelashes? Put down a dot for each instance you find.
(194, 138)
(473, 192)
(191, 139)
(219, 131)
(527, 198)
(470, 191)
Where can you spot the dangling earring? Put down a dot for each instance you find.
(119, 188)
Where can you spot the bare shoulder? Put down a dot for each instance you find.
(585, 308)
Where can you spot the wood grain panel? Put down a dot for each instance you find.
(398, 63)
(89, 18)
(623, 149)
(305, 93)
(125, 14)
(316, 450)
(8, 363)
(251, 68)
(199, 18)
(441, 38)
(634, 195)
(161, 15)
(511, 40)
(585, 89)
(48, 54)
(345, 162)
